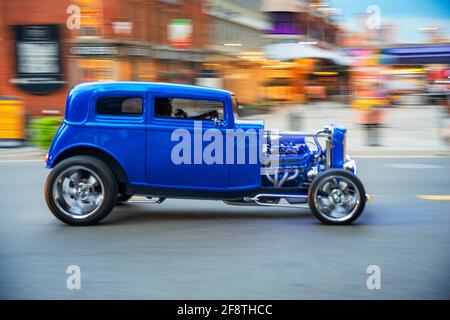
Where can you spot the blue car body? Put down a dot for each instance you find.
(97, 156)
(141, 145)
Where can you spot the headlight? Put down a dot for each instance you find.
(350, 165)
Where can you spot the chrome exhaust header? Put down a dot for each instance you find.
(257, 199)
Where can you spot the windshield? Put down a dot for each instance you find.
(235, 103)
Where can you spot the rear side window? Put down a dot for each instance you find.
(120, 106)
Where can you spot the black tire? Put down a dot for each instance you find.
(356, 212)
(106, 178)
(121, 198)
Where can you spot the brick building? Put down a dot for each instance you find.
(45, 53)
(47, 94)
(308, 42)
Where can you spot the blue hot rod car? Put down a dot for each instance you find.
(177, 141)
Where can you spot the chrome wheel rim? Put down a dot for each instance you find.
(78, 192)
(337, 198)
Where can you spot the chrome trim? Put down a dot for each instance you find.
(350, 165)
(240, 203)
(217, 122)
(328, 147)
(157, 200)
(286, 177)
(256, 199)
(311, 174)
(78, 192)
(337, 198)
(327, 130)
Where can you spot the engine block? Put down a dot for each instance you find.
(290, 162)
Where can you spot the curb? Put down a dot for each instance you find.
(25, 153)
(38, 155)
(399, 153)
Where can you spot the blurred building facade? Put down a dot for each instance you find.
(219, 43)
(410, 73)
(307, 43)
(301, 21)
(142, 40)
(235, 41)
(235, 25)
(46, 53)
(33, 65)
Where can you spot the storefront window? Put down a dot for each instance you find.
(91, 18)
(96, 70)
(283, 23)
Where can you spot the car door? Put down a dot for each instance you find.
(177, 140)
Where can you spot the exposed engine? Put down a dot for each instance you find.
(290, 162)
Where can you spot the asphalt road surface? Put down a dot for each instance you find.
(208, 250)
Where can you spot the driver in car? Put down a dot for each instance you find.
(163, 108)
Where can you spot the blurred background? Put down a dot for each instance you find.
(381, 68)
(378, 67)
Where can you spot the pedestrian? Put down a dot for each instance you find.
(372, 115)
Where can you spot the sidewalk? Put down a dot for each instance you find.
(409, 130)
(21, 153)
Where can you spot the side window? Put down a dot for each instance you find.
(120, 106)
(188, 109)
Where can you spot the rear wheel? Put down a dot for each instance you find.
(81, 190)
(336, 197)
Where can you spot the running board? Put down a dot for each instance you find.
(257, 199)
(157, 200)
(147, 199)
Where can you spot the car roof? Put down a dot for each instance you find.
(81, 95)
(145, 86)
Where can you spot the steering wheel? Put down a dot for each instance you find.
(211, 115)
(207, 115)
(179, 113)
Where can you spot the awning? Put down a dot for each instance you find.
(294, 50)
(420, 55)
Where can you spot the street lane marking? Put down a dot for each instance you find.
(414, 166)
(434, 197)
(22, 160)
(399, 156)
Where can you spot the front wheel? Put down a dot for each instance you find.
(81, 190)
(336, 197)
